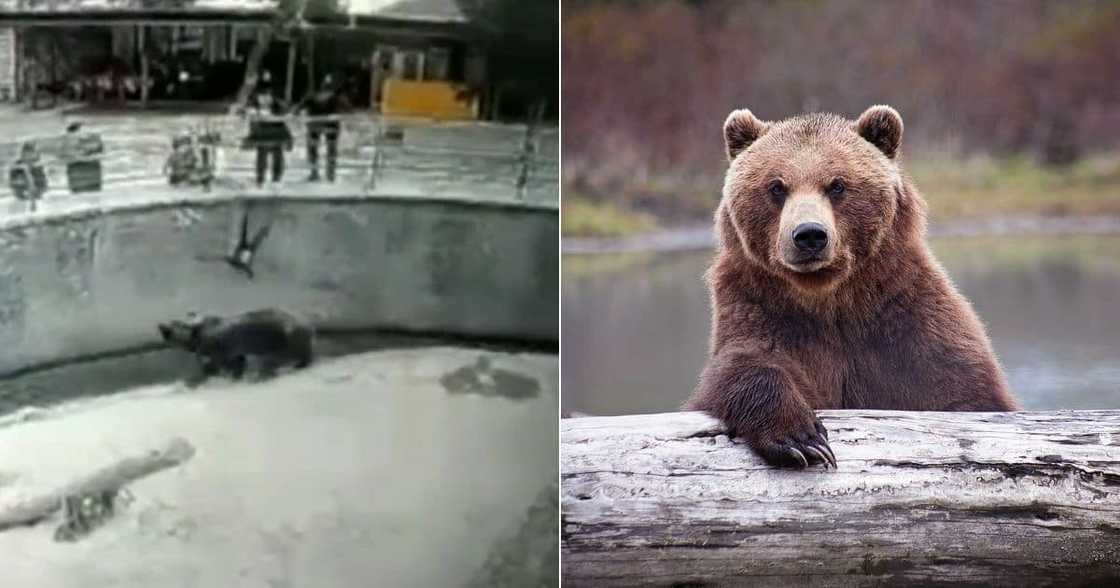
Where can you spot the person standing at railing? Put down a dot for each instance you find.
(323, 108)
(182, 162)
(82, 153)
(268, 132)
(27, 178)
(191, 160)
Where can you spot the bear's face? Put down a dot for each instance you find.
(180, 334)
(186, 334)
(809, 197)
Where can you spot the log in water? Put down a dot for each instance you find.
(990, 499)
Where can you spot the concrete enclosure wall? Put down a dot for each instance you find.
(99, 281)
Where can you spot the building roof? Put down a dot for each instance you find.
(425, 11)
(418, 10)
(36, 7)
(436, 12)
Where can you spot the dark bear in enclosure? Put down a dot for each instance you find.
(824, 292)
(270, 336)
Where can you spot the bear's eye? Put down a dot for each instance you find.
(778, 189)
(836, 187)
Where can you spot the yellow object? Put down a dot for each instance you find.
(441, 100)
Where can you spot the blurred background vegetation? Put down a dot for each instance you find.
(1011, 107)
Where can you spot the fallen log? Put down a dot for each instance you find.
(106, 479)
(990, 499)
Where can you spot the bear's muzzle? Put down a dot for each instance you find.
(807, 233)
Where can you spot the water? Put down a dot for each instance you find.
(635, 327)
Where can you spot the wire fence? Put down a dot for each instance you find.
(108, 154)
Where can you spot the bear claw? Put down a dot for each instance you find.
(818, 454)
(800, 456)
(800, 450)
(819, 443)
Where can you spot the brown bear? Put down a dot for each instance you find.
(824, 294)
(223, 344)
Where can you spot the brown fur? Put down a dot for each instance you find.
(875, 324)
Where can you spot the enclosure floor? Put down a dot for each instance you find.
(364, 470)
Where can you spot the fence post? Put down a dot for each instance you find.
(375, 164)
(145, 75)
(527, 156)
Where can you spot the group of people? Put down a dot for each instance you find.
(192, 158)
(81, 152)
(270, 137)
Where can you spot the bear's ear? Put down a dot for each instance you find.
(740, 130)
(882, 127)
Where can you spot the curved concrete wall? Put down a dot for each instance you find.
(98, 281)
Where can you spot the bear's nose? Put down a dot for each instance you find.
(810, 237)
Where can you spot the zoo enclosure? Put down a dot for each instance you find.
(376, 155)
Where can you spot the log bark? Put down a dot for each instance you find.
(990, 499)
(111, 477)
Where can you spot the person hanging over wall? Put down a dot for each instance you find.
(323, 107)
(268, 133)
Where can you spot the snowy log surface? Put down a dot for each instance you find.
(994, 499)
(112, 477)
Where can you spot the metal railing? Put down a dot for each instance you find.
(375, 155)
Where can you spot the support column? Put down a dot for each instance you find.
(17, 61)
(143, 43)
(312, 86)
(289, 81)
(376, 79)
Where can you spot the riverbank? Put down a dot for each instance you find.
(960, 191)
(701, 236)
